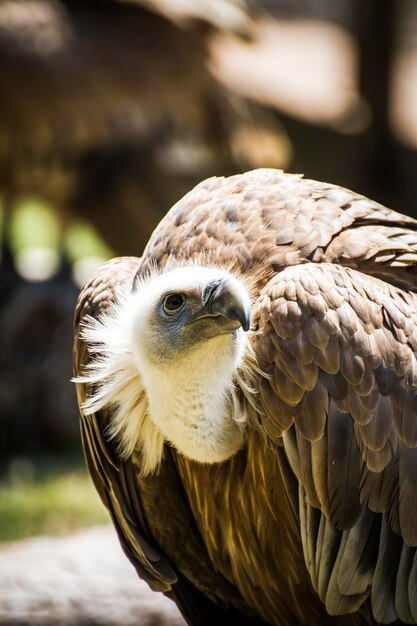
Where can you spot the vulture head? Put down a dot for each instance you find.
(182, 337)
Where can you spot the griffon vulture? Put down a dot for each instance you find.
(248, 404)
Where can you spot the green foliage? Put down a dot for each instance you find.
(82, 240)
(34, 224)
(53, 496)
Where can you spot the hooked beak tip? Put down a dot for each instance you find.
(246, 322)
(228, 298)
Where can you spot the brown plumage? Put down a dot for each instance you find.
(314, 520)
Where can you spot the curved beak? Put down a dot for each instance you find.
(227, 300)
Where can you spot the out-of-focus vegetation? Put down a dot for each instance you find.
(39, 241)
(33, 223)
(47, 495)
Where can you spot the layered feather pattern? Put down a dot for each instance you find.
(314, 520)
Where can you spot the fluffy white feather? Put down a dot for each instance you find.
(199, 400)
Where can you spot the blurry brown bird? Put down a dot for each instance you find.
(110, 108)
(270, 475)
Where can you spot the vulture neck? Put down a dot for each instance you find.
(192, 399)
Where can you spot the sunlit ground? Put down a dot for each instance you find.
(48, 496)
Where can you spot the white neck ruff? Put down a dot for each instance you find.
(202, 404)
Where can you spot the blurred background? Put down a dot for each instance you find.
(110, 110)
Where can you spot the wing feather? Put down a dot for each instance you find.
(384, 580)
(113, 479)
(326, 553)
(266, 219)
(356, 555)
(343, 469)
(351, 438)
(402, 598)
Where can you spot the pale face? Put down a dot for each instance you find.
(172, 353)
(188, 341)
(179, 310)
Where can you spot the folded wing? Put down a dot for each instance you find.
(339, 348)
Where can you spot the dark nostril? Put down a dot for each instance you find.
(210, 291)
(221, 298)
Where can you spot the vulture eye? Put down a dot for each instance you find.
(173, 303)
